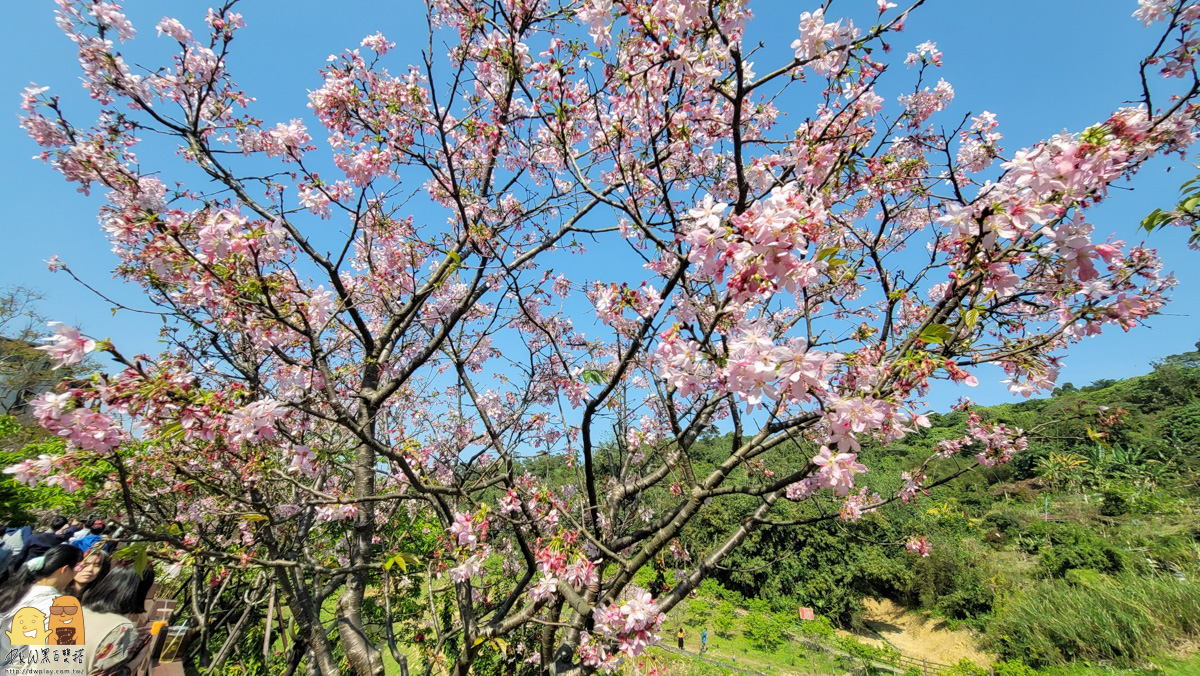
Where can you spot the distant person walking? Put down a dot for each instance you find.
(680, 637)
(704, 641)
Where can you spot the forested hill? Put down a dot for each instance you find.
(1086, 546)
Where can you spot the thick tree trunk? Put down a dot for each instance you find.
(307, 616)
(365, 658)
(566, 667)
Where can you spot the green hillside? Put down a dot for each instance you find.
(1084, 550)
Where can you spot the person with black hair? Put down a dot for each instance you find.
(95, 535)
(39, 581)
(94, 566)
(73, 527)
(110, 611)
(39, 544)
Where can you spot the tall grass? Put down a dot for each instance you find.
(1122, 621)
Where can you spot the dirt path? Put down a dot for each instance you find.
(919, 637)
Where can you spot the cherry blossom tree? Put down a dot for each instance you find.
(356, 387)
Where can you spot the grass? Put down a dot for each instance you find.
(1169, 667)
(737, 649)
(1124, 622)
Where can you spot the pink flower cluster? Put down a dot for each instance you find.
(255, 421)
(836, 471)
(287, 141)
(31, 471)
(919, 545)
(824, 41)
(995, 444)
(762, 250)
(67, 346)
(630, 627)
(339, 512)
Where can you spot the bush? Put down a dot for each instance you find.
(958, 580)
(820, 627)
(699, 612)
(863, 651)
(1115, 503)
(764, 632)
(1063, 546)
(1013, 669)
(1092, 554)
(965, 667)
(1124, 621)
(723, 618)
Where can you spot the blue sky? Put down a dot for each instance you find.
(1041, 67)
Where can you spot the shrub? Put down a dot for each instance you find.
(1013, 669)
(1123, 621)
(723, 618)
(820, 627)
(958, 580)
(965, 667)
(1089, 553)
(863, 651)
(764, 632)
(699, 612)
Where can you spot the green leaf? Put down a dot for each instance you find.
(827, 252)
(593, 376)
(141, 560)
(972, 318)
(935, 334)
(1154, 219)
(402, 560)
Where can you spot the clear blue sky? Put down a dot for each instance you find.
(1040, 66)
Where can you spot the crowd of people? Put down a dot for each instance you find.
(45, 577)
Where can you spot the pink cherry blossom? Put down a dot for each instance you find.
(68, 346)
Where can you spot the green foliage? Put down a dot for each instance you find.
(1123, 621)
(863, 651)
(1115, 502)
(959, 581)
(723, 618)
(1080, 548)
(964, 667)
(1106, 492)
(1013, 669)
(818, 628)
(764, 631)
(20, 503)
(699, 612)
(1186, 211)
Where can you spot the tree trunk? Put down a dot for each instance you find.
(308, 623)
(565, 666)
(365, 658)
(548, 633)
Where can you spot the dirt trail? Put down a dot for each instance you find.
(917, 636)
